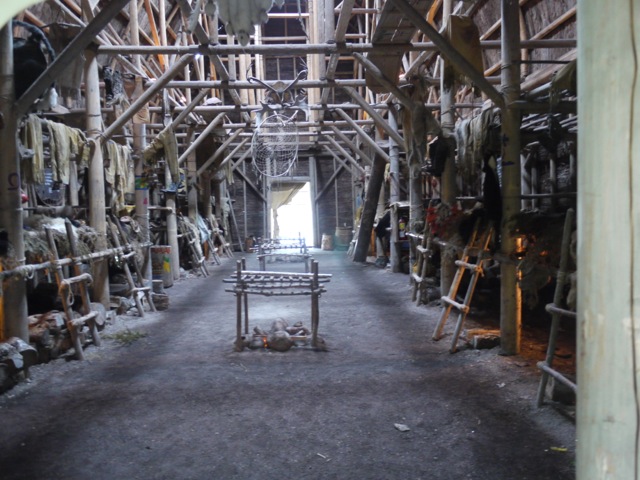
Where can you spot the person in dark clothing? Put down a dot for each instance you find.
(382, 238)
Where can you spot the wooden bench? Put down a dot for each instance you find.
(270, 284)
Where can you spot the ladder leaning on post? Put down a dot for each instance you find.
(129, 256)
(477, 247)
(557, 312)
(87, 315)
(194, 247)
(419, 277)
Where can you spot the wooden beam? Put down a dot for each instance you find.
(380, 121)
(219, 152)
(244, 155)
(250, 183)
(240, 84)
(205, 133)
(156, 87)
(340, 149)
(292, 50)
(219, 67)
(154, 30)
(332, 179)
(367, 139)
(341, 161)
(450, 53)
(351, 145)
(387, 83)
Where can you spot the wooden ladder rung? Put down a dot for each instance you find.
(553, 308)
(469, 266)
(77, 322)
(544, 366)
(83, 277)
(140, 289)
(453, 303)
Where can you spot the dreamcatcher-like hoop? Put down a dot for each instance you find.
(275, 145)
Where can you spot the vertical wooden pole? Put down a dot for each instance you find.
(97, 207)
(246, 303)
(13, 289)
(239, 294)
(369, 209)
(315, 306)
(394, 194)
(162, 19)
(139, 144)
(510, 311)
(170, 201)
(191, 180)
(608, 242)
(448, 186)
(313, 173)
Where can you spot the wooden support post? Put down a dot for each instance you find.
(369, 209)
(97, 207)
(239, 294)
(313, 174)
(13, 319)
(139, 143)
(246, 303)
(315, 305)
(510, 311)
(608, 243)
(394, 197)
(448, 184)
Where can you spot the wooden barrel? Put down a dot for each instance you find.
(343, 238)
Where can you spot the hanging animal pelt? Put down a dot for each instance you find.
(31, 56)
(239, 16)
(417, 121)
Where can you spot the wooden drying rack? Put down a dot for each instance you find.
(271, 284)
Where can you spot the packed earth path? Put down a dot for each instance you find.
(175, 401)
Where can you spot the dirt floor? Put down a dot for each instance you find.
(166, 396)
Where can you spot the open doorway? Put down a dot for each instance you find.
(293, 216)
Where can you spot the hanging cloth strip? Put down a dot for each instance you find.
(165, 142)
(118, 172)
(32, 139)
(60, 147)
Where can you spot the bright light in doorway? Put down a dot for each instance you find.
(295, 218)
